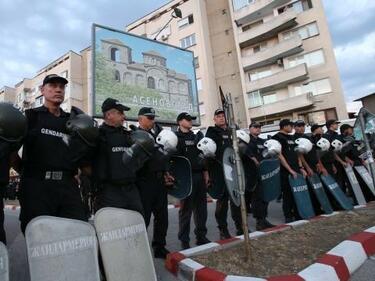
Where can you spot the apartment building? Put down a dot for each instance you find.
(275, 57)
(73, 67)
(7, 94)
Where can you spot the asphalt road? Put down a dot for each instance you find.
(18, 261)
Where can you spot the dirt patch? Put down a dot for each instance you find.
(290, 251)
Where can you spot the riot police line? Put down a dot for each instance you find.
(71, 167)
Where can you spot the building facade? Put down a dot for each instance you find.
(71, 66)
(368, 102)
(7, 94)
(274, 57)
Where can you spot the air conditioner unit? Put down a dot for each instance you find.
(280, 62)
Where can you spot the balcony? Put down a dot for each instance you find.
(268, 29)
(283, 106)
(257, 10)
(279, 80)
(270, 56)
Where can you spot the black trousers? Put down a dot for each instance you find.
(155, 201)
(196, 203)
(258, 206)
(289, 205)
(59, 198)
(2, 230)
(221, 212)
(119, 196)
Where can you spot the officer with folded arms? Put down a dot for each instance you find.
(118, 155)
(12, 131)
(197, 201)
(50, 159)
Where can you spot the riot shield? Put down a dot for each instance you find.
(301, 196)
(365, 175)
(336, 191)
(217, 186)
(61, 249)
(124, 245)
(231, 176)
(318, 190)
(4, 263)
(180, 168)
(360, 198)
(269, 173)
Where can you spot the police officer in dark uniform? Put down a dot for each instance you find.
(197, 201)
(290, 165)
(312, 158)
(221, 135)
(254, 152)
(12, 130)
(151, 181)
(47, 185)
(114, 180)
(328, 159)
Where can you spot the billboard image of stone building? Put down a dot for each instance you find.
(138, 73)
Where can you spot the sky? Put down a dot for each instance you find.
(35, 32)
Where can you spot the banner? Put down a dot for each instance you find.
(140, 72)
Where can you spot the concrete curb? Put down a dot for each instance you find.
(337, 264)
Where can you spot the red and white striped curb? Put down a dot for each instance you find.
(12, 207)
(173, 206)
(338, 264)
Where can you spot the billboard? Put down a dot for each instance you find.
(140, 72)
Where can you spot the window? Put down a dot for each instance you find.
(117, 76)
(128, 77)
(269, 98)
(196, 62)
(304, 32)
(64, 74)
(258, 74)
(199, 84)
(252, 25)
(150, 83)
(202, 109)
(39, 101)
(239, 4)
(161, 85)
(185, 21)
(255, 99)
(318, 87)
(171, 87)
(260, 47)
(298, 6)
(311, 59)
(187, 41)
(115, 54)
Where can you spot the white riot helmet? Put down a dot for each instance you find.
(242, 135)
(167, 140)
(273, 148)
(207, 146)
(304, 145)
(323, 144)
(337, 145)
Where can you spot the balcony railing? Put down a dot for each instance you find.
(283, 106)
(271, 55)
(279, 80)
(268, 29)
(257, 10)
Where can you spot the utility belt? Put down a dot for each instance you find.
(50, 175)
